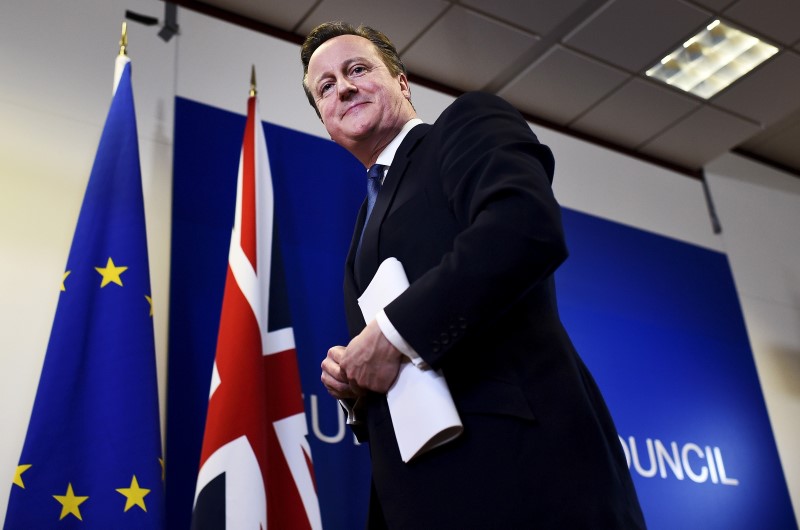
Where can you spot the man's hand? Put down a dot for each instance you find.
(334, 378)
(370, 361)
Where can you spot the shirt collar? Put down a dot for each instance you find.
(387, 155)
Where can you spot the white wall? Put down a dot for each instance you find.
(759, 209)
(56, 65)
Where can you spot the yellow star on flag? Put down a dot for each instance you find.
(134, 495)
(22, 468)
(63, 279)
(69, 503)
(111, 273)
(149, 301)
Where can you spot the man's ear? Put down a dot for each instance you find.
(404, 88)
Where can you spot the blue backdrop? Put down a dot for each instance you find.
(657, 321)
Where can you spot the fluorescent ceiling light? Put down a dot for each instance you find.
(712, 60)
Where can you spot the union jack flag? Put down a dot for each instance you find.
(255, 465)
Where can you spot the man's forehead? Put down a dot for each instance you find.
(341, 49)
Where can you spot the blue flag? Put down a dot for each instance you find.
(92, 454)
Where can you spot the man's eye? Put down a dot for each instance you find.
(325, 88)
(358, 70)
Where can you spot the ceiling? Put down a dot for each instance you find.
(578, 65)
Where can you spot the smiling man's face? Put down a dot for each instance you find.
(362, 105)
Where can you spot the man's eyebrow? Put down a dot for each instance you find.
(358, 59)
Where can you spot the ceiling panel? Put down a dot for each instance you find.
(465, 49)
(635, 113)
(579, 64)
(781, 146)
(779, 142)
(537, 16)
(635, 34)
(561, 85)
(700, 137)
(402, 21)
(715, 5)
(777, 19)
(767, 93)
(285, 18)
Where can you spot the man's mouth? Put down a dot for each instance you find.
(353, 106)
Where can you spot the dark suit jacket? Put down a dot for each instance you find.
(467, 208)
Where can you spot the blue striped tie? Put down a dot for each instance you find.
(374, 177)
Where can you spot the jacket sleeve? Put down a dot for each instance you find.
(496, 177)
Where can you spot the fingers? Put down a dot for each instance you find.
(335, 354)
(370, 361)
(336, 388)
(334, 378)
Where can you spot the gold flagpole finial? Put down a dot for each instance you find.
(253, 90)
(123, 40)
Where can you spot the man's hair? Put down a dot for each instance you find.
(329, 30)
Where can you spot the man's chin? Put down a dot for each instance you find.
(357, 132)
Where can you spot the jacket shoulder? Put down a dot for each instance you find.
(477, 103)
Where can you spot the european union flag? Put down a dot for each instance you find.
(92, 454)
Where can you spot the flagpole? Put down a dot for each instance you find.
(122, 56)
(123, 40)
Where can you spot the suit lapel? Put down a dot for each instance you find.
(350, 287)
(369, 255)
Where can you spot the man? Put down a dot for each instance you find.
(466, 206)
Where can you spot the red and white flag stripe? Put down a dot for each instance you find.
(255, 466)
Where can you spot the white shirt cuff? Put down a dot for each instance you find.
(398, 341)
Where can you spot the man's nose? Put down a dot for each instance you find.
(345, 88)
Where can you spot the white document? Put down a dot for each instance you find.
(422, 409)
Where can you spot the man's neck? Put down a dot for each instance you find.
(371, 152)
(384, 150)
